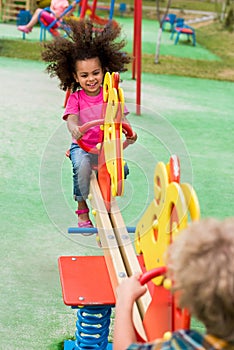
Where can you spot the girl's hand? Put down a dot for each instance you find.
(132, 139)
(75, 131)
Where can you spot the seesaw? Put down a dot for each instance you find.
(89, 282)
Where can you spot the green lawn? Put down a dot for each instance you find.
(200, 5)
(212, 58)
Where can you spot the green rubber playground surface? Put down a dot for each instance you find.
(167, 47)
(192, 118)
(149, 38)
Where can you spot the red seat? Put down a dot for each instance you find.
(184, 29)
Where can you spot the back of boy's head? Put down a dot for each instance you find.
(201, 263)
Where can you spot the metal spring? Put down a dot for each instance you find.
(92, 327)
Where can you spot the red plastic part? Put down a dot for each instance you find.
(115, 82)
(186, 31)
(158, 317)
(85, 281)
(119, 161)
(104, 180)
(127, 130)
(85, 127)
(149, 275)
(52, 30)
(174, 175)
(68, 93)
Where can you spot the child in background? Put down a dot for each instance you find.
(80, 61)
(200, 263)
(57, 7)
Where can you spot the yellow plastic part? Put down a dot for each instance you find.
(110, 138)
(191, 201)
(121, 99)
(107, 85)
(167, 336)
(160, 184)
(113, 97)
(167, 283)
(165, 217)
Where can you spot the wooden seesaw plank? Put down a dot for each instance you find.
(112, 254)
(127, 251)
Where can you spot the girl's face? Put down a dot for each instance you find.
(89, 74)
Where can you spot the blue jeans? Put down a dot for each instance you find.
(82, 167)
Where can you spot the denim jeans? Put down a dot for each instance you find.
(82, 167)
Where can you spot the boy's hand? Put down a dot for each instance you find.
(131, 139)
(130, 289)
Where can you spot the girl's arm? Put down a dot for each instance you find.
(127, 293)
(72, 125)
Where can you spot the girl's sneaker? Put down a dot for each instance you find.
(84, 224)
(24, 29)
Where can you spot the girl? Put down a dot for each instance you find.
(80, 61)
(56, 7)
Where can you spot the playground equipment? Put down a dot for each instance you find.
(137, 52)
(9, 9)
(89, 282)
(169, 19)
(58, 22)
(122, 8)
(23, 18)
(84, 9)
(181, 28)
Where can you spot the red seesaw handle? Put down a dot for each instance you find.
(83, 128)
(127, 130)
(149, 275)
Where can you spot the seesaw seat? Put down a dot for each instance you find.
(85, 280)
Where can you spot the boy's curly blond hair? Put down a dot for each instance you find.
(201, 263)
(85, 41)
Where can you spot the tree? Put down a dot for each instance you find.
(160, 21)
(225, 9)
(229, 18)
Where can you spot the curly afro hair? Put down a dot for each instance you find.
(84, 41)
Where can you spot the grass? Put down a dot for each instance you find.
(179, 4)
(212, 37)
(20, 49)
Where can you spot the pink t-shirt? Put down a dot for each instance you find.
(87, 108)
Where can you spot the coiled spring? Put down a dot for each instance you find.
(92, 327)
